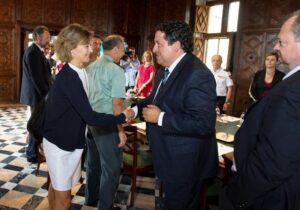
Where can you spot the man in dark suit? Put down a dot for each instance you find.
(267, 146)
(180, 116)
(36, 78)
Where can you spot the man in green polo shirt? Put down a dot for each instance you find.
(106, 95)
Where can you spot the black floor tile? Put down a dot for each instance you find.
(20, 176)
(3, 192)
(14, 168)
(26, 189)
(33, 202)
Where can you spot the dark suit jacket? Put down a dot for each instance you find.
(257, 85)
(184, 148)
(267, 153)
(36, 78)
(68, 111)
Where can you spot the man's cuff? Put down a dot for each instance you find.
(160, 118)
(135, 110)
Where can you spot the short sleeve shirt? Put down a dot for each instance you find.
(223, 81)
(106, 81)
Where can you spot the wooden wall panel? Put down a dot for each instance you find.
(250, 58)
(92, 14)
(177, 10)
(255, 12)
(103, 19)
(7, 10)
(156, 15)
(85, 13)
(136, 17)
(32, 11)
(120, 16)
(8, 71)
(250, 61)
(7, 64)
(167, 10)
(7, 89)
(55, 12)
(279, 9)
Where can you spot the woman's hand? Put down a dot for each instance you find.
(129, 113)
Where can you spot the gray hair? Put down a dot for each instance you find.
(296, 25)
(39, 30)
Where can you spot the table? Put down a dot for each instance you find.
(226, 127)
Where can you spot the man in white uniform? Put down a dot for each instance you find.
(224, 84)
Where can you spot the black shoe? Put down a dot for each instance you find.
(32, 160)
(93, 204)
(117, 208)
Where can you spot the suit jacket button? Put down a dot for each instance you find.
(244, 204)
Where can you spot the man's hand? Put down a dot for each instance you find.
(225, 106)
(151, 113)
(129, 113)
(123, 138)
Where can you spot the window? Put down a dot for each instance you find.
(222, 24)
(215, 19)
(233, 16)
(217, 46)
(30, 40)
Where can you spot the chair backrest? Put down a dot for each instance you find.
(136, 153)
(136, 157)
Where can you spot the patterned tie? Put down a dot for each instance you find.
(163, 81)
(165, 76)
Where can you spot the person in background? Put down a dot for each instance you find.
(106, 95)
(96, 44)
(266, 149)
(36, 79)
(135, 58)
(264, 80)
(180, 115)
(130, 67)
(224, 84)
(144, 79)
(67, 112)
(49, 52)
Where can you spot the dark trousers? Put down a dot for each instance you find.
(182, 196)
(31, 149)
(220, 103)
(103, 167)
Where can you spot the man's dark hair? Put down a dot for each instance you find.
(112, 41)
(177, 31)
(39, 30)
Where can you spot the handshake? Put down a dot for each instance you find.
(129, 113)
(150, 114)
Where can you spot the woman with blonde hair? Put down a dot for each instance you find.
(67, 113)
(144, 79)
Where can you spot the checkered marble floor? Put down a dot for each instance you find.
(20, 188)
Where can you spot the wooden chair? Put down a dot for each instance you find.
(228, 161)
(40, 159)
(136, 158)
